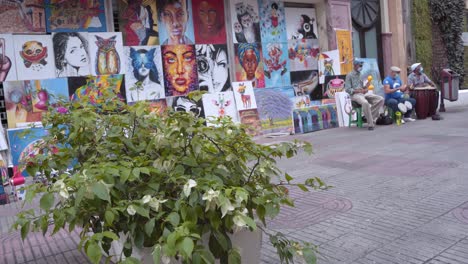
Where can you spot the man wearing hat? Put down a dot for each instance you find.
(418, 78)
(397, 95)
(371, 103)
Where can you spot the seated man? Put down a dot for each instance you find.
(397, 95)
(371, 103)
(417, 78)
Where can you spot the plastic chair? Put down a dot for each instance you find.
(358, 110)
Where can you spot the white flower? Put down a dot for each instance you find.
(155, 203)
(210, 195)
(188, 187)
(131, 210)
(63, 191)
(226, 207)
(146, 199)
(229, 131)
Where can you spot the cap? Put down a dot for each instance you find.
(395, 69)
(414, 66)
(358, 61)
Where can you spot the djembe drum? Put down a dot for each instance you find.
(426, 101)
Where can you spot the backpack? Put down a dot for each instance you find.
(384, 120)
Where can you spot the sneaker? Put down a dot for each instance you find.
(409, 119)
(370, 128)
(436, 117)
(403, 121)
(402, 108)
(408, 105)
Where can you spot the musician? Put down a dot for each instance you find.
(397, 95)
(418, 78)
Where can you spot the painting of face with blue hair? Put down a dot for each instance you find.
(249, 58)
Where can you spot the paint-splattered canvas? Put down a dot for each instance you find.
(275, 106)
(220, 105)
(371, 67)
(345, 47)
(143, 74)
(276, 65)
(208, 15)
(303, 54)
(329, 64)
(106, 52)
(75, 16)
(71, 54)
(213, 68)
(185, 104)
(26, 101)
(245, 21)
(272, 21)
(34, 57)
(244, 95)
(314, 118)
(91, 88)
(333, 84)
(138, 22)
(251, 120)
(307, 83)
(249, 64)
(25, 16)
(180, 69)
(301, 23)
(7, 58)
(175, 22)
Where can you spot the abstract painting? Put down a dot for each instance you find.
(245, 21)
(25, 16)
(345, 47)
(301, 23)
(244, 95)
(7, 58)
(75, 16)
(34, 57)
(180, 69)
(213, 68)
(307, 83)
(143, 74)
(90, 89)
(106, 51)
(251, 120)
(272, 21)
(314, 118)
(209, 16)
(329, 64)
(185, 104)
(249, 64)
(71, 54)
(275, 106)
(276, 65)
(220, 105)
(138, 22)
(175, 22)
(371, 68)
(303, 54)
(333, 84)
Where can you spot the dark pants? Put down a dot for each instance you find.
(393, 104)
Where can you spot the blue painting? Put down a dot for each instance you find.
(371, 68)
(276, 65)
(275, 106)
(272, 21)
(75, 16)
(175, 22)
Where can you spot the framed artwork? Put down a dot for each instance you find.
(185, 104)
(71, 52)
(272, 21)
(34, 57)
(138, 22)
(333, 84)
(208, 15)
(158, 106)
(213, 68)
(180, 69)
(307, 83)
(245, 21)
(345, 47)
(276, 65)
(7, 58)
(244, 95)
(91, 88)
(143, 74)
(301, 23)
(329, 64)
(106, 52)
(251, 120)
(249, 64)
(26, 16)
(175, 22)
(220, 105)
(315, 118)
(75, 16)
(275, 106)
(303, 54)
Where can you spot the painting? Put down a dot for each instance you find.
(7, 58)
(314, 118)
(71, 54)
(272, 21)
(75, 16)
(143, 74)
(106, 52)
(371, 68)
(34, 57)
(175, 22)
(180, 69)
(251, 120)
(333, 84)
(245, 21)
(301, 23)
(329, 64)
(276, 65)
(157, 106)
(90, 89)
(307, 83)
(244, 95)
(185, 104)
(345, 47)
(220, 105)
(138, 22)
(249, 64)
(208, 15)
(25, 16)
(303, 54)
(213, 68)
(26, 101)
(275, 106)
(344, 106)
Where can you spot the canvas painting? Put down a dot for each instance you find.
(244, 95)
(344, 108)
(220, 105)
(329, 64)
(213, 68)
(138, 22)
(7, 58)
(272, 21)
(251, 120)
(143, 74)
(301, 23)
(175, 22)
(158, 106)
(75, 16)
(276, 65)
(34, 57)
(71, 54)
(314, 118)
(24, 16)
(249, 64)
(90, 89)
(245, 21)
(333, 84)
(275, 106)
(345, 47)
(25, 101)
(185, 104)
(371, 68)
(208, 15)
(303, 54)
(180, 69)
(106, 52)
(307, 83)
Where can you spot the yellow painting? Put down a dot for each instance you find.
(345, 48)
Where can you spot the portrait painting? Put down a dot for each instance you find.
(22, 16)
(34, 57)
(329, 64)
(71, 51)
(301, 23)
(7, 58)
(157, 106)
(249, 64)
(208, 15)
(276, 65)
(175, 22)
(272, 21)
(245, 21)
(106, 52)
(91, 89)
(75, 16)
(251, 120)
(185, 104)
(333, 84)
(218, 105)
(143, 74)
(213, 68)
(244, 95)
(307, 83)
(180, 69)
(275, 106)
(303, 54)
(138, 22)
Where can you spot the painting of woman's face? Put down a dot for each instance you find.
(220, 71)
(180, 69)
(250, 63)
(174, 17)
(75, 54)
(208, 17)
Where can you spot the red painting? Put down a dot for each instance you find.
(209, 16)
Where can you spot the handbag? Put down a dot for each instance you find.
(384, 120)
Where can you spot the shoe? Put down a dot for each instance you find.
(403, 121)
(402, 108)
(436, 117)
(408, 105)
(409, 119)
(370, 128)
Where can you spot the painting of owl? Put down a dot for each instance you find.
(108, 59)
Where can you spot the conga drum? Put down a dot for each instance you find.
(426, 101)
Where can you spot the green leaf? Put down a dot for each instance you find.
(93, 251)
(288, 177)
(309, 256)
(249, 221)
(131, 260)
(46, 202)
(110, 235)
(109, 217)
(174, 219)
(125, 174)
(261, 212)
(101, 190)
(141, 211)
(303, 187)
(157, 254)
(234, 257)
(186, 246)
(25, 230)
(30, 194)
(149, 226)
(44, 225)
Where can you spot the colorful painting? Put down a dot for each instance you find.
(71, 54)
(249, 64)
(345, 47)
(175, 22)
(245, 21)
(34, 57)
(220, 105)
(371, 68)
(213, 68)
(303, 54)
(158, 106)
(251, 120)
(25, 16)
(307, 83)
(272, 21)
(276, 65)
(138, 22)
(344, 106)
(244, 95)
(185, 104)
(90, 89)
(329, 64)
(301, 23)
(333, 84)
(75, 16)
(106, 51)
(314, 118)
(143, 74)
(208, 15)
(275, 106)
(180, 69)
(7, 58)
(26, 101)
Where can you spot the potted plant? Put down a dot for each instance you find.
(166, 183)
